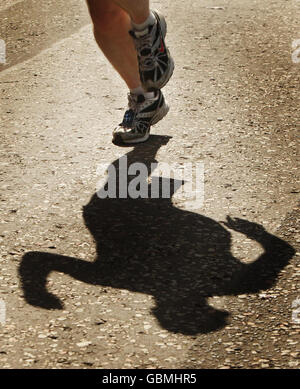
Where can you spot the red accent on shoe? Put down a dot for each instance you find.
(162, 47)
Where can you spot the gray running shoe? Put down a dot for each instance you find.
(141, 115)
(156, 65)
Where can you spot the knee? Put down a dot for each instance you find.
(106, 16)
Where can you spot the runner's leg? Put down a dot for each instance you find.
(113, 20)
(111, 27)
(139, 10)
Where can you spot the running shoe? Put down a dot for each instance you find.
(156, 65)
(141, 114)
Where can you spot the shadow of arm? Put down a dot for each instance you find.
(262, 273)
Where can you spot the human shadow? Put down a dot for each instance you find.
(149, 246)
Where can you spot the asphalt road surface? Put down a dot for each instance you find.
(150, 283)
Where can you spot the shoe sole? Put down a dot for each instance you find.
(156, 118)
(150, 86)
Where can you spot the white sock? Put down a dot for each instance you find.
(140, 91)
(149, 95)
(141, 28)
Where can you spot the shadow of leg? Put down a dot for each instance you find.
(35, 268)
(33, 272)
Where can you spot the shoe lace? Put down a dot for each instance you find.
(130, 113)
(131, 121)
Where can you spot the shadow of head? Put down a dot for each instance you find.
(189, 317)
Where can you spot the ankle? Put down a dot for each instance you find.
(142, 24)
(137, 91)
